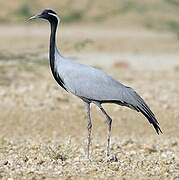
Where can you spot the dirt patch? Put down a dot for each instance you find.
(66, 159)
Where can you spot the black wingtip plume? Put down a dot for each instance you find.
(144, 109)
(151, 118)
(157, 128)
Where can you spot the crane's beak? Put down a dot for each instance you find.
(34, 17)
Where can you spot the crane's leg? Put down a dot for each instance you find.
(109, 122)
(89, 127)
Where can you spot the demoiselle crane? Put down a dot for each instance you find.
(90, 84)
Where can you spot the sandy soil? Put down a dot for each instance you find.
(43, 129)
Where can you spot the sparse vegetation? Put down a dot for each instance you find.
(174, 27)
(82, 44)
(23, 12)
(74, 16)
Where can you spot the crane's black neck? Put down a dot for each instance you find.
(52, 56)
(52, 44)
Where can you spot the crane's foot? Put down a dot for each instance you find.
(88, 159)
(111, 158)
(108, 149)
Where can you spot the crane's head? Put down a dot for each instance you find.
(48, 15)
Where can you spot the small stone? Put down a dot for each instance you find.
(26, 159)
(6, 163)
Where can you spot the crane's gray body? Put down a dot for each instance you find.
(94, 85)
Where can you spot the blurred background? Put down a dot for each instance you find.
(135, 41)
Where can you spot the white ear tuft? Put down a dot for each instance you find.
(55, 15)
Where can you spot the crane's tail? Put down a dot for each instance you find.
(151, 118)
(139, 105)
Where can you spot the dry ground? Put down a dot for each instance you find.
(42, 128)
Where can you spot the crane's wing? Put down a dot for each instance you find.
(93, 84)
(88, 82)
